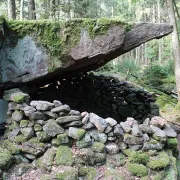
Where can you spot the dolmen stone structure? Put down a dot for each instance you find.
(55, 142)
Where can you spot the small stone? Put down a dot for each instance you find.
(152, 145)
(132, 140)
(28, 110)
(111, 138)
(17, 115)
(42, 105)
(24, 123)
(38, 116)
(98, 147)
(89, 125)
(122, 145)
(12, 106)
(57, 103)
(19, 97)
(111, 121)
(82, 143)
(63, 108)
(136, 131)
(83, 114)
(158, 121)
(111, 134)
(145, 138)
(112, 148)
(28, 132)
(126, 127)
(118, 131)
(73, 124)
(145, 129)
(14, 133)
(63, 138)
(87, 137)
(41, 122)
(21, 106)
(108, 129)
(64, 156)
(52, 128)
(62, 114)
(130, 121)
(46, 161)
(55, 142)
(102, 137)
(74, 113)
(85, 119)
(135, 147)
(99, 122)
(50, 114)
(37, 127)
(169, 132)
(138, 169)
(66, 119)
(76, 133)
(42, 136)
(147, 122)
(30, 156)
(157, 131)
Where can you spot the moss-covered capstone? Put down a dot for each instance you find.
(64, 156)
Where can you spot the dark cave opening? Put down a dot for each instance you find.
(103, 95)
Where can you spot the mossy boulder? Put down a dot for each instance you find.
(160, 161)
(19, 97)
(89, 173)
(69, 174)
(24, 123)
(5, 159)
(76, 133)
(98, 147)
(14, 149)
(172, 143)
(64, 156)
(137, 169)
(115, 160)
(46, 161)
(138, 157)
(55, 142)
(63, 138)
(42, 136)
(37, 127)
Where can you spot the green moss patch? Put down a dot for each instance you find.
(70, 174)
(113, 174)
(98, 147)
(64, 156)
(172, 143)
(137, 169)
(89, 173)
(20, 139)
(5, 159)
(11, 147)
(159, 162)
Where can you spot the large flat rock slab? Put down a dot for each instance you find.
(37, 51)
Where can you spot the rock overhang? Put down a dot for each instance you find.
(39, 51)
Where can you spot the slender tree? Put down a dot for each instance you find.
(11, 9)
(176, 45)
(31, 10)
(22, 10)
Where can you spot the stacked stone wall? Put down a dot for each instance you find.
(48, 135)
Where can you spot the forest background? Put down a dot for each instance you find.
(150, 66)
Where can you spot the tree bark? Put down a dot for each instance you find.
(31, 10)
(11, 9)
(176, 45)
(22, 10)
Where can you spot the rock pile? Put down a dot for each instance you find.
(50, 133)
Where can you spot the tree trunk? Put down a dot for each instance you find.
(11, 9)
(22, 10)
(176, 46)
(31, 10)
